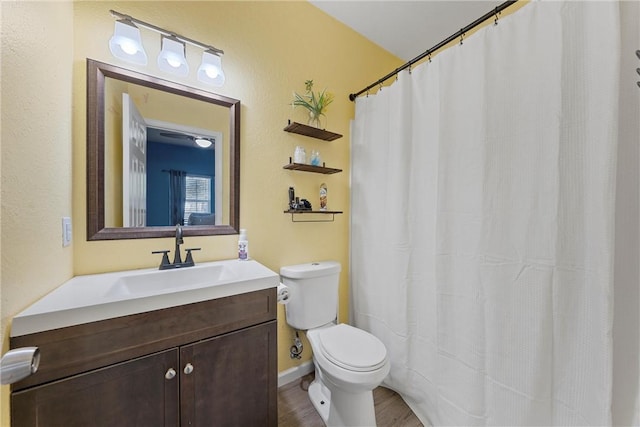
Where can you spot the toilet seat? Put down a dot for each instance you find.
(352, 348)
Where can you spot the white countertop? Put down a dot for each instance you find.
(95, 297)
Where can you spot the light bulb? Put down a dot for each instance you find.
(212, 72)
(175, 63)
(128, 47)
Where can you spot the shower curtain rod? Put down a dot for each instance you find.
(460, 33)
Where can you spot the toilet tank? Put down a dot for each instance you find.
(313, 293)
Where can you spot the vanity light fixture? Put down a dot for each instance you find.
(210, 70)
(126, 42)
(172, 57)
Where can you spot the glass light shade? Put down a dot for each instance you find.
(203, 142)
(172, 58)
(210, 71)
(126, 43)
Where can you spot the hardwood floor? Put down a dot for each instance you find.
(296, 410)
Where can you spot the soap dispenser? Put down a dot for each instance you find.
(243, 245)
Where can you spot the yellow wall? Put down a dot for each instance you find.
(271, 48)
(36, 64)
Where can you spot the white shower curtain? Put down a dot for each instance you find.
(483, 188)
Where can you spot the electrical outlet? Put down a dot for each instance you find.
(66, 231)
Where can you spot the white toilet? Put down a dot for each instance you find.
(349, 362)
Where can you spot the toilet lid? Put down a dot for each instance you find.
(352, 348)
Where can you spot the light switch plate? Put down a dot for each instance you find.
(66, 231)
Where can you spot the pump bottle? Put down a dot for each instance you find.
(243, 245)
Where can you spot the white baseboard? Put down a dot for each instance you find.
(292, 374)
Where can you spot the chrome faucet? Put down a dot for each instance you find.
(177, 258)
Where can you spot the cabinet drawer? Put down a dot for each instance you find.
(76, 349)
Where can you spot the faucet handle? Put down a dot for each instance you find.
(189, 259)
(165, 258)
(179, 239)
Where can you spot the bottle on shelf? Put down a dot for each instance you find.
(299, 155)
(323, 197)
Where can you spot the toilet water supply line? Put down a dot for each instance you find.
(296, 349)
(283, 298)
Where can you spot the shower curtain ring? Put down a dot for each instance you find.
(461, 37)
(495, 22)
(429, 56)
(409, 68)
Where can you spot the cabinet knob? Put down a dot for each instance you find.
(188, 368)
(171, 373)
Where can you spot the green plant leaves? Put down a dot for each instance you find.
(316, 103)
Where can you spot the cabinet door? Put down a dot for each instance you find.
(133, 393)
(233, 381)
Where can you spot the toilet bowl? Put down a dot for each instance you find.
(350, 357)
(349, 362)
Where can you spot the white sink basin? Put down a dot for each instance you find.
(155, 282)
(95, 297)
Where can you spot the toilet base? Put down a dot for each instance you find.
(320, 398)
(338, 408)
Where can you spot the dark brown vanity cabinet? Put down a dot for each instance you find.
(241, 368)
(133, 393)
(218, 367)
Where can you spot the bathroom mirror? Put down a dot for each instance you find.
(141, 200)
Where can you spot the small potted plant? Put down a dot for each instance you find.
(315, 103)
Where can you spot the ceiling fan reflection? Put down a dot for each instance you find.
(200, 141)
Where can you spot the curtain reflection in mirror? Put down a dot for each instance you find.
(177, 195)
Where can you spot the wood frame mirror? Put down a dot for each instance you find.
(97, 73)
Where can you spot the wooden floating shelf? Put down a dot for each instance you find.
(294, 212)
(306, 130)
(311, 168)
(308, 211)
